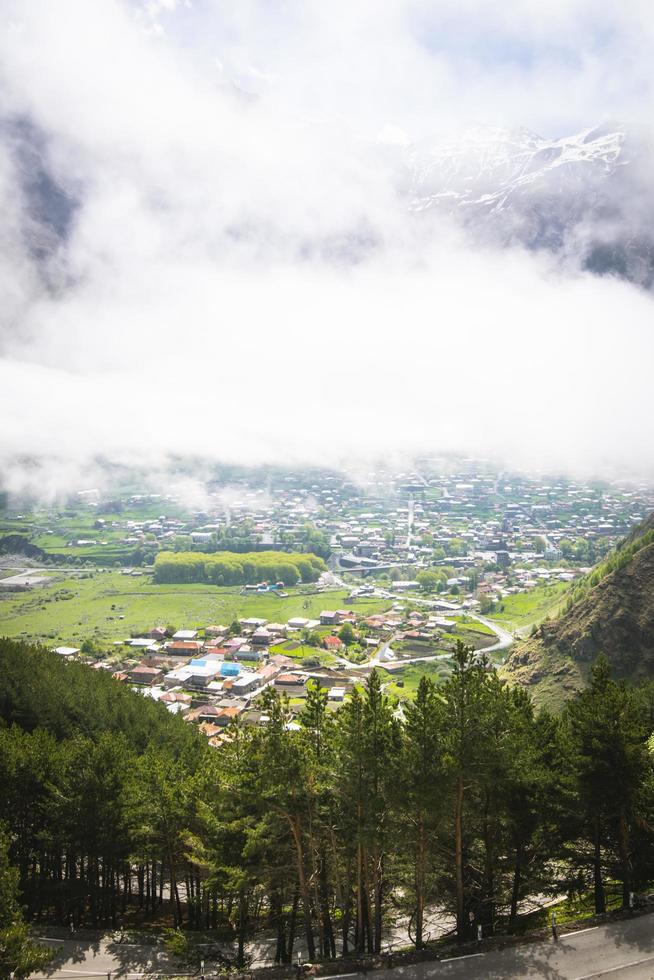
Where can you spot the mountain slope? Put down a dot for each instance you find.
(585, 197)
(612, 613)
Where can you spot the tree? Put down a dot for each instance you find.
(18, 954)
(485, 604)
(347, 635)
(422, 799)
(428, 580)
(609, 723)
(368, 754)
(463, 695)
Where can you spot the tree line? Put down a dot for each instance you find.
(230, 568)
(329, 825)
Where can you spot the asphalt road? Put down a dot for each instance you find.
(619, 951)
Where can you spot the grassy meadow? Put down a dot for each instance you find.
(526, 608)
(108, 606)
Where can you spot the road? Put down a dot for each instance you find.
(619, 951)
(379, 658)
(504, 639)
(94, 955)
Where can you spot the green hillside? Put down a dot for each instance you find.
(610, 611)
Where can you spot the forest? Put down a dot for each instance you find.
(229, 568)
(468, 801)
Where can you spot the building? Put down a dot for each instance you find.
(246, 682)
(146, 675)
(183, 648)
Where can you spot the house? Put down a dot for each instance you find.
(158, 633)
(336, 694)
(246, 653)
(228, 714)
(183, 648)
(329, 618)
(287, 680)
(262, 636)
(176, 697)
(375, 622)
(185, 635)
(298, 623)
(216, 631)
(252, 717)
(146, 675)
(210, 729)
(235, 643)
(294, 685)
(198, 673)
(333, 643)
(141, 643)
(66, 651)
(276, 629)
(246, 683)
(215, 651)
(269, 672)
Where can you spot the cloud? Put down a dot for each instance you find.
(242, 279)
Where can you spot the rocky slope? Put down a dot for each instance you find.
(614, 617)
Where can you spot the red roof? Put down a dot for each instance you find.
(289, 679)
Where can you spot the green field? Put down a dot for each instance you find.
(525, 608)
(299, 651)
(437, 670)
(108, 606)
(468, 623)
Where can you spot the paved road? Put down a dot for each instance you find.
(505, 639)
(619, 951)
(98, 956)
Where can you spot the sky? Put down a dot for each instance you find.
(241, 277)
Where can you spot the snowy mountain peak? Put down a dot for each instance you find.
(486, 166)
(587, 197)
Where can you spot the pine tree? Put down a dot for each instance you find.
(18, 954)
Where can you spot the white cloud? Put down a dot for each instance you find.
(241, 279)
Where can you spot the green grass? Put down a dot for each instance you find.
(524, 609)
(468, 623)
(571, 910)
(73, 608)
(438, 670)
(302, 651)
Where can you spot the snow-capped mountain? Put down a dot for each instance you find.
(489, 167)
(587, 196)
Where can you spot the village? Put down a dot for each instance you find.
(413, 561)
(215, 676)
